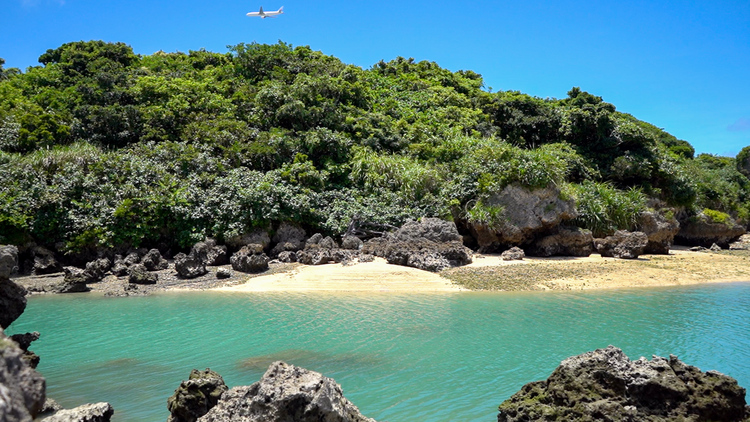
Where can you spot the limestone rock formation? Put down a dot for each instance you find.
(153, 261)
(74, 281)
(513, 254)
(660, 231)
(701, 230)
(22, 389)
(196, 396)
(137, 274)
(12, 296)
(247, 260)
(429, 244)
(623, 244)
(352, 243)
(97, 412)
(605, 385)
(24, 342)
(564, 241)
(189, 266)
(210, 253)
(259, 236)
(527, 213)
(286, 393)
(97, 269)
(44, 261)
(8, 260)
(742, 244)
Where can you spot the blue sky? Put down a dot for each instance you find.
(681, 65)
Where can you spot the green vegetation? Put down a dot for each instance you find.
(100, 146)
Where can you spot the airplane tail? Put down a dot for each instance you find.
(281, 9)
(261, 10)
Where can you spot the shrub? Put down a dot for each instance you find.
(604, 209)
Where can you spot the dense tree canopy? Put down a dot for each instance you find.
(100, 146)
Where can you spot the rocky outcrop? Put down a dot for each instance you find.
(701, 230)
(97, 269)
(196, 396)
(44, 261)
(605, 385)
(153, 261)
(288, 238)
(351, 243)
(526, 214)
(138, 274)
(742, 244)
(286, 393)
(97, 412)
(22, 389)
(249, 260)
(210, 253)
(623, 244)
(24, 342)
(8, 261)
(12, 296)
(12, 302)
(189, 266)
(74, 281)
(564, 241)
(513, 254)
(429, 244)
(660, 231)
(259, 237)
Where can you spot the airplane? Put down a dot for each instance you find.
(264, 15)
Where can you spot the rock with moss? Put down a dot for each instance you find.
(286, 393)
(707, 228)
(22, 389)
(605, 385)
(525, 214)
(623, 244)
(196, 396)
(138, 274)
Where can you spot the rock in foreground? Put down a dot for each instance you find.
(196, 396)
(605, 385)
(22, 389)
(97, 412)
(286, 393)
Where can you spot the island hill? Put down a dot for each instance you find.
(110, 159)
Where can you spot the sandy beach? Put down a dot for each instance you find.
(489, 272)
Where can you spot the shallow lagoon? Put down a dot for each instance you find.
(425, 357)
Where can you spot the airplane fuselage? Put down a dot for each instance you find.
(263, 14)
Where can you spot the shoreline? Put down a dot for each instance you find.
(485, 273)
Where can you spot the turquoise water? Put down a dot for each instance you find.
(423, 357)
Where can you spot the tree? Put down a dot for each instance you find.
(743, 161)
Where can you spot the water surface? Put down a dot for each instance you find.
(421, 357)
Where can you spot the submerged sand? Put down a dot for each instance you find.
(489, 272)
